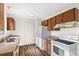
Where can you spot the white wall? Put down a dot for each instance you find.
(26, 30)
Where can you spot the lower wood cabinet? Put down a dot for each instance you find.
(47, 46)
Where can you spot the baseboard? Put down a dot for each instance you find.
(27, 44)
(7, 54)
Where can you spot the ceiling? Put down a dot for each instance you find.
(37, 10)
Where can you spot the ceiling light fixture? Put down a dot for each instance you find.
(31, 14)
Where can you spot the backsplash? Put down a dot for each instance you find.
(68, 31)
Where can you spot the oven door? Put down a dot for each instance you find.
(60, 49)
(57, 51)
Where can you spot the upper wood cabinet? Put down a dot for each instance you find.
(59, 19)
(1, 24)
(44, 23)
(70, 15)
(1, 9)
(53, 22)
(10, 23)
(1, 19)
(1, 16)
(50, 24)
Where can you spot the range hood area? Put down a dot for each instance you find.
(66, 24)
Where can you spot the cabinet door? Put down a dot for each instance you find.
(1, 24)
(58, 19)
(45, 45)
(10, 23)
(45, 22)
(49, 24)
(49, 47)
(1, 17)
(53, 22)
(70, 15)
(10, 26)
(1, 9)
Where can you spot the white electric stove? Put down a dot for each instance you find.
(66, 45)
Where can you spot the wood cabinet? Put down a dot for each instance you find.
(10, 23)
(1, 16)
(1, 24)
(53, 22)
(59, 19)
(47, 46)
(49, 24)
(1, 9)
(70, 15)
(45, 23)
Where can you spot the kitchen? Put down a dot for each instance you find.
(61, 38)
(54, 30)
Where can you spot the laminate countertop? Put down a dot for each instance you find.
(51, 37)
(7, 47)
(8, 44)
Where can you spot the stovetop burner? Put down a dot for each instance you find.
(64, 41)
